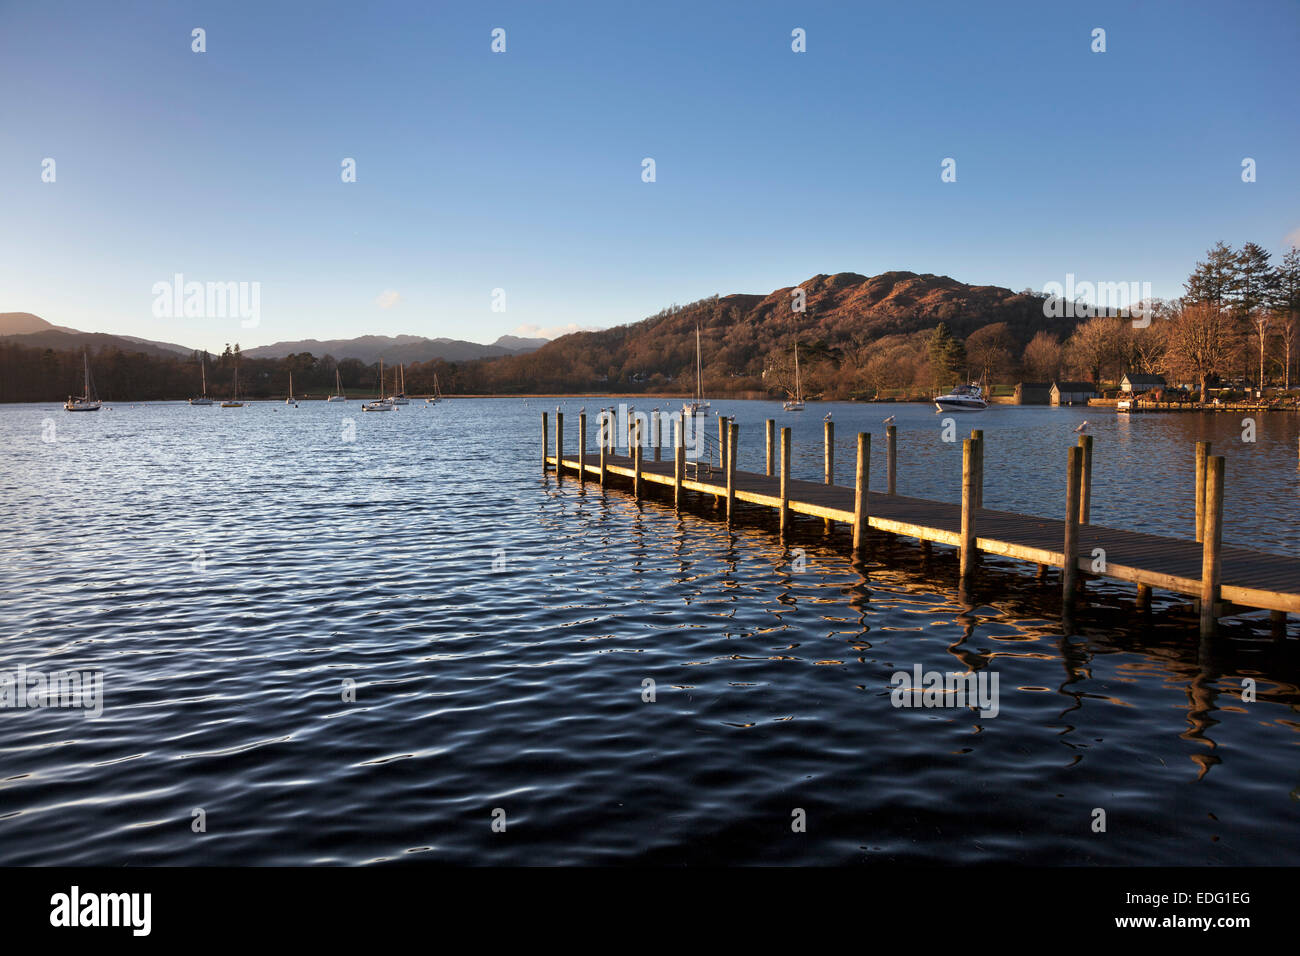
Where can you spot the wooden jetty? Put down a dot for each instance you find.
(1223, 580)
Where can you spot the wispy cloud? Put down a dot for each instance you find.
(551, 331)
(388, 298)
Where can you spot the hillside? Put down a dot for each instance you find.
(858, 334)
(848, 318)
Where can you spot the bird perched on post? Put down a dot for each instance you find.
(827, 418)
(1082, 427)
(889, 420)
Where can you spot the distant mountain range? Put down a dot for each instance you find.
(399, 348)
(23, 328)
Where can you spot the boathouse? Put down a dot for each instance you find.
(1033, 393)
(1134, 384)
(1072, 393)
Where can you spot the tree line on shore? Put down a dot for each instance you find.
(1237, 321)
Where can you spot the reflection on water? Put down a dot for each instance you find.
(230, 570)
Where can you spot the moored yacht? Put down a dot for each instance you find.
(380, 404)
(795, 402)
(202, 399)
(963, 398)
(399, 397)
(234, 401)
(88, 401)
(697, 405)
(338, 395)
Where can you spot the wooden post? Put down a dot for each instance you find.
(828, 429)
(733, 439)
(559, 444)
(861, 490)
(546, 442)
(679, 462)
(785, 477)
(1202, 453)
(636, 462)
(978, 435)
(771, 445)
(582, 447)
(891, 459)
(1070, 556)
(1211, 543)
(722, 441)
(969, 478)
(828, 437)
(656, 432)
(1144, 597)
(1085, 484)
(606, 427)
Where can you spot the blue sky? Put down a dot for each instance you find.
(522, 171)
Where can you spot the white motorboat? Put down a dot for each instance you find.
(963, 398)
(88, 401)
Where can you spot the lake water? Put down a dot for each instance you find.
(231, 573)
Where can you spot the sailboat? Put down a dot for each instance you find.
(380, 404)
(399, 397)
(437, 392)
(338, 395)
(697, 406)
(795, 402)
(234, 392)
(202, 399)
(290, 400)
(88, 401)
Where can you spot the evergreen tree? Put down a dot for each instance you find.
(947, 356)
(1214, 281)
(1257, 281)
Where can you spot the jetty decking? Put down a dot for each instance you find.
(1223, 579)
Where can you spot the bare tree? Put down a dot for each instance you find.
(1260, 322)
(1100, 343)
(1043, 358)
(1203, 339)
(988, 352)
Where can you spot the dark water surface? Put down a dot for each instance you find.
(228, 570)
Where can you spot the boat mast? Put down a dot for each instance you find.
(203, 371)
(798, 388)
(699, 375)
(85, 389)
